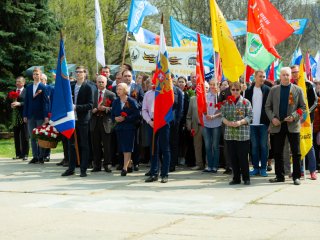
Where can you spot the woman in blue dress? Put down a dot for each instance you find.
(124, 114)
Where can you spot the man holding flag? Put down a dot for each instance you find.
(163, 102)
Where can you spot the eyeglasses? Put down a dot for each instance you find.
(79, 71)
(235, 90)
(294, 72)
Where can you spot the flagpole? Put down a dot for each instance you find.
(298, 42)
(124, 49)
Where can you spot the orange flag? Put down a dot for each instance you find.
(200, 90)
(265, 20)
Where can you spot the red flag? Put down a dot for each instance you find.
(164, 97)
(200, 90)
(249, 72)
(265, 20)
(308, 67)
(271, 72)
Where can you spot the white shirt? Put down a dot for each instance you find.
(256, 105)
(35, 86)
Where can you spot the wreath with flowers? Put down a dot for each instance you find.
(46, 132)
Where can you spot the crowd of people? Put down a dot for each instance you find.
(244, 124)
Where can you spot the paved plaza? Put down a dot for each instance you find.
(36, 203)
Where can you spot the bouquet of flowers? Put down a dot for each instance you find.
(13, 95)
(46, 133)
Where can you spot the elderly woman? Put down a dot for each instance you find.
(237, 115)
(125, 113)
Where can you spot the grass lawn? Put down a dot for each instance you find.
(7, 148)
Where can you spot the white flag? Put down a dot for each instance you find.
(99, 36)
(317, 58)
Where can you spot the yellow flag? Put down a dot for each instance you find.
(223, 43)
(306, 131)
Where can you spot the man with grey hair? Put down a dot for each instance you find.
(281, 108)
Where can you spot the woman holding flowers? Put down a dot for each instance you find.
(124, 114)
(236, 115)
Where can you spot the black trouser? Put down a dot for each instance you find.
(174, 144)
(21, 140)
(238, 156)
(66, 153)
(278, 145)
(99, 136)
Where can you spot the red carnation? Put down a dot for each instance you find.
(299, 112)
(244, 102)
(231, 99)
(218, 105)
(153, 87)
(108, 102)
(123, 114)
(210, 104)
(192, 132)
(110, 87)
(13, 95)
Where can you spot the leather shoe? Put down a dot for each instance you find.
(151, 179)
(108, 170)
(172, 169)
(164, 179)
(60, 163)
(34, 160)
(67, 173)
(129, 170)
(297, 182)
(233, 182)
(47, 159)
(41, 161)
(228, 171)
(25, 158)
(275, 180)
(246, 182)
(123, 173)
(136, 168)
(147, 174)
(17, 157)
(83, 174)
(96, 170)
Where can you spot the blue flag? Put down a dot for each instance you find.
(237, 27)
(62, 117)
(138, 10)
(313, 65)
(299, 25)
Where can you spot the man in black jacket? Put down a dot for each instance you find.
(83, 102)
(257, 94)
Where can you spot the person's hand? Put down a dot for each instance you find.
(101, 108)
(289, 119)
(209, 117)
(236, 124)
(25, 120)
(276, 122)
(151, 123)
(15, 104)
(119, 119)
(94, 110)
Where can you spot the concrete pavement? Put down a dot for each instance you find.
(36, 203)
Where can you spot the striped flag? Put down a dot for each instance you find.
(99, 36)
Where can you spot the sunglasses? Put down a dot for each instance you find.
(235, 90)
(79, 71)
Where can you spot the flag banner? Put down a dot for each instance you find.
(317, 58)
(271, 72)
(249, 73)
(182, 36)
(238, 28)
(62, 114)
(223, 43)
(313, 65)
(265, 20)
(299, 25)
(296, 57)
(182, 60)
(139, 9)
(99, 36)
(277, 67)
(308, 67)
(200, 90)
(256, 56)
(164, 97)
(306, 130)
(146, 36)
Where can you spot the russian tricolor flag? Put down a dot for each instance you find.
(62, 117)
(145, 36)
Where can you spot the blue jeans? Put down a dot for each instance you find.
(259, 145)
(37, 152)
(211, 140)
(161, 142)
(312, 164)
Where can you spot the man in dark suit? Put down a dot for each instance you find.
(281, 109)
(101, 125)
(83, 101)
(257, 94)
(20, 129)
(35, 111)
(105, 71)
(136, 92)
